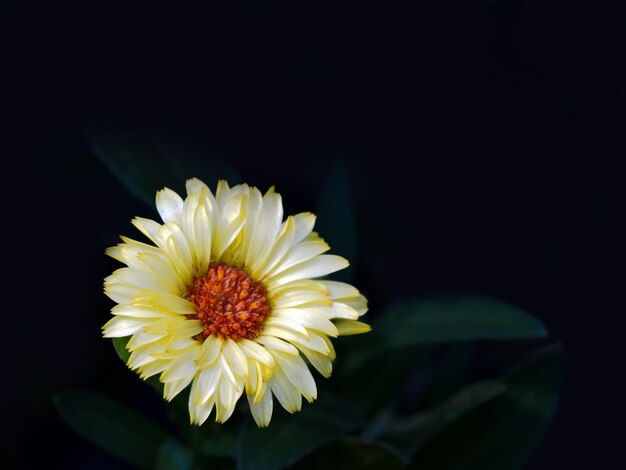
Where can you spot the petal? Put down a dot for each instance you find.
(352, 327)
(205, 385)
(262, 409)
(340, 290)
(315, 267)
(284, 391)
(300, 253)
(211, 349)
(255, 351)
(183, 366)
(275, 344)
(118, 327)
(299, 375)
(304, 223)
(235, 358)
(307, 319)
(169, 205)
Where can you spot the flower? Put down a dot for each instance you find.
(228, 299)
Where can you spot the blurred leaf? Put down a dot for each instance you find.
(335, 218)
(382, 377)
(410, 434)
(189, 159)
(172, 456)
(119, 344)
(135, 161)
(455, 318)
(220, 445)
(352, 454)
(451, 371)
(291, 437)
(112, 426)
(503, 432)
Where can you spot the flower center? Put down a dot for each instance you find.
(229, 303)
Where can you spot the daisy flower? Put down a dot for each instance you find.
(230, 298)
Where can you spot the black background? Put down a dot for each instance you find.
(482, 139)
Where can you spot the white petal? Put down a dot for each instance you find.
(340, 290)
(318, 266)
(255, 351)
(276, 344)
(226, 400)
(194, 185)
(304, 223)
(284, 391)
(235, 358)
(280, 248)
(118, 327)
(287, 323)
(299, 375)
(135, 311)
(359, 304)
(153, 368)
(171, 389)
(265, 231)
(307, 319)
(198, 414)
(168, 302)
(206, 384)
(296, 297)
(182, 367)
(148, 227)
(211, 349)
(321, 362)
(262, 409)
(300, 253)
(169, 205)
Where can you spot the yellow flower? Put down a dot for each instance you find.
(229, 299)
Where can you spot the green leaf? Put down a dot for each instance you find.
(135, 161)
(392, 369)
(112, 426)
(411, 434)
(172, 456)
(119, 344)
(451, 371)
(457, 318)
(352, 454)
(291, 437)
(503, 432)
(335, 218)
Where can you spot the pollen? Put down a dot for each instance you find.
(229, 303)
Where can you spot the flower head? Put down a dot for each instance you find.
(228, 299)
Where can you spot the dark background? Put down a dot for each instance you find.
(481, 137)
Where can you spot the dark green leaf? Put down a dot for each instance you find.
(291, 437)
(111, 425)
(451, 371)
(503, 432)
(410, 434)
(220, 445)
(119, 344)
(352, 454)
(335, 218)
(135, 161)
(370, 391)
(172, 456)
(458, 318)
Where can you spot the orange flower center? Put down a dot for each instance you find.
(229, 303)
